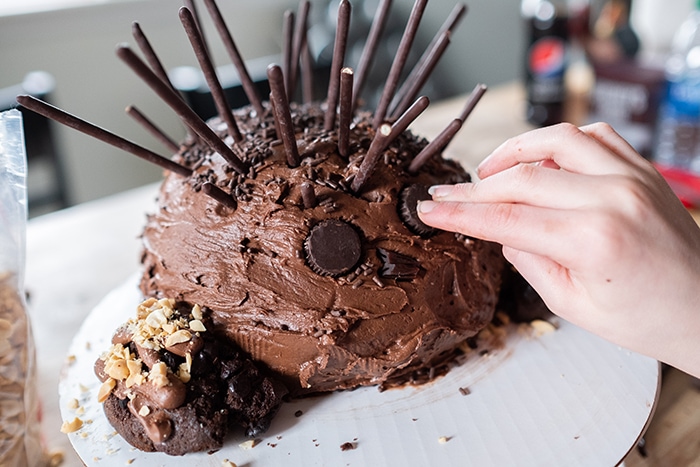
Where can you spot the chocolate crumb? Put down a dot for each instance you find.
(298, 413)
(348, 446)
(464, 391)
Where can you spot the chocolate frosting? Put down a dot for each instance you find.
(248, 264)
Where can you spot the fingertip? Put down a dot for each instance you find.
(440, 191)
(425, 207)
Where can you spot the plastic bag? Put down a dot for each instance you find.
(20, 438)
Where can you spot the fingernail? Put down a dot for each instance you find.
(440, 191)
(424, 207)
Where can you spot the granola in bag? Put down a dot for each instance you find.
(20, 438)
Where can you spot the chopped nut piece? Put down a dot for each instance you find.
(183, 373)
(156, 319)
(250, 444)
(105, 390)
(197, 312)
(159, 375)
(71, 426)
(443, 439)
(73, 404)
(117, 368)
(197, 326)
(178, 337)
(144, 410)
(542, 327)
(227, 463)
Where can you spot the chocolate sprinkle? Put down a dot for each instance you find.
(409, 198)
(333, 247)
(308, 195)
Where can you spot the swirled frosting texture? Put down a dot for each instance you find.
(408, 301)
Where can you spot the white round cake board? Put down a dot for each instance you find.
(562, 398)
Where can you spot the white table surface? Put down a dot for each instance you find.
(77, 255)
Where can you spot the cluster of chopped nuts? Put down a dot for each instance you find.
(157, 326)
(19, 423)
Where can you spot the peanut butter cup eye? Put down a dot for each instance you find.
(408, 201)
(333, 247)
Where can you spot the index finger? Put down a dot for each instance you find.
(564, 144)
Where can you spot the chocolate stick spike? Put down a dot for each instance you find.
(150, 54)
(308, 195)
(297, 44)
(137, 115)
(376, 148)
(412, 88)
(89, 129)
(190, 5)
(287, 35)
(397, 66)
(449, 25)
(370, 48)
(283, 114)
(339, 46)
(188, 116)
(205, 63)
(345, 117)
(278, 131)
(246, 81)
(405, 120)
(473, 99)
(436, 145)
(307, 75)
(219, 195)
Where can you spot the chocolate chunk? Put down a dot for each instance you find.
(333, 247)
(409, 198)
(397, 266)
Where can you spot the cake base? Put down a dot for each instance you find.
(565, 397)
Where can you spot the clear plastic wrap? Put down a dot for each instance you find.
(20, 439)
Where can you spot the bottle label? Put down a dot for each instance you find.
(684, 98)
(546, 63)
(678, 132)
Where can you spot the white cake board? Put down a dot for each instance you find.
(562, 398)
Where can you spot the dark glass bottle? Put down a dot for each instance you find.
(545, 60)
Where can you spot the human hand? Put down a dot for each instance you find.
(595, 229)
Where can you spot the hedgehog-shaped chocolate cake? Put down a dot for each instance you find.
(287, 234)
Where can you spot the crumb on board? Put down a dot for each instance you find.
(444, 439)
(249, 444)
(71, 426)
(348, 446)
